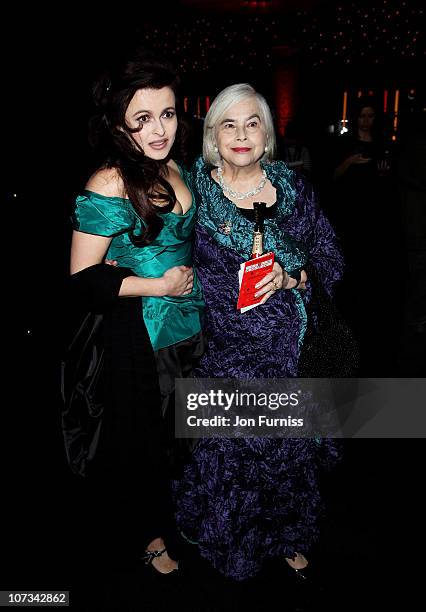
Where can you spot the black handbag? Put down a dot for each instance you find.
(330, 349)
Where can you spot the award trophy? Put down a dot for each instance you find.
(259, 216)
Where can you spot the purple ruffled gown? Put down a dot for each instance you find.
(248, 499)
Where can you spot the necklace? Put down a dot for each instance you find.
(237, 195)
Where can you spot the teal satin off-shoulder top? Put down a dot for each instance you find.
(168, 319)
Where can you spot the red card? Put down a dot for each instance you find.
(251, 272)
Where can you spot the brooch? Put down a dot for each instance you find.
(225, 228)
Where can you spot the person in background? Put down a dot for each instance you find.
(293, 152)
(367, 218)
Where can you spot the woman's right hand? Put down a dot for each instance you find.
(178, 281)
(358, 158)
(348, 162)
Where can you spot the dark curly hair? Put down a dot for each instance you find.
(144, 178)
(358, 106)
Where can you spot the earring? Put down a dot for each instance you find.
(216, 150)
(266, 148)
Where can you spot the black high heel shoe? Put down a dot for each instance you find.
(148, 558)
(308, 579)
(303, 575)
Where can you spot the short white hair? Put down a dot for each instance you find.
(226, 98)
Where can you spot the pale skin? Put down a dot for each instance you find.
(154, 110)
(242, 129)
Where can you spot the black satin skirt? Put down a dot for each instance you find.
(177, 361)
(129, 478)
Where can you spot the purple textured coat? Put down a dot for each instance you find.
(244, 500)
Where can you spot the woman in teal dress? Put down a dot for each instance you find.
(171, 318)
(136, 209)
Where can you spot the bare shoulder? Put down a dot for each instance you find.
(107, 182)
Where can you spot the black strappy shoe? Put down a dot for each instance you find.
(308, 579)
(303, 575)
(150, 555)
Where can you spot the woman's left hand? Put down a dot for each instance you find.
(277, 279)
(383, 167)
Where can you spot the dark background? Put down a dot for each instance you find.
(373, 525)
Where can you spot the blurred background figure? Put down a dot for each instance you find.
(366, 213)
(361, 153)
(292, 151)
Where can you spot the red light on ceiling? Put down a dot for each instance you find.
(285, 94)
(256, 3)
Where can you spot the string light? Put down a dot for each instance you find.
(326, 36)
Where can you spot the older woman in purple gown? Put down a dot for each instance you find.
(248, 499)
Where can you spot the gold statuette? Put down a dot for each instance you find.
(259, 215)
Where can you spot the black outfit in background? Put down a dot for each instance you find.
(366, 215)
(360, 199)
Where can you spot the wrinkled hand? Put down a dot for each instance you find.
(178, 281)
(277, 279)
